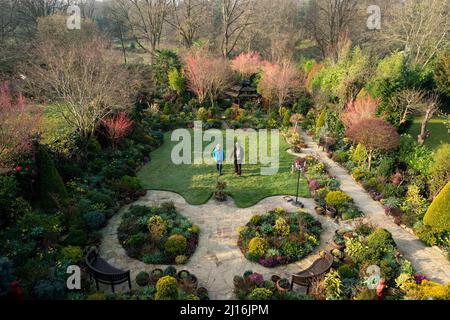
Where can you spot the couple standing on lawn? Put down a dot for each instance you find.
(237, 155)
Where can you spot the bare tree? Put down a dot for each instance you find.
(83, 82)
(419, 27)
(186, 17)
(146, 19)
(429, 109)
(236, 17)
(87, 8)
(406, 102)
(327, 22)
(31, 10)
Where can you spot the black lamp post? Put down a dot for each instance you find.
(299, 166)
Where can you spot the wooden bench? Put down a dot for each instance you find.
(319, 267)
(103, 272)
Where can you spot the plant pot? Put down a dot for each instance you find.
(280, 288)
(202, 293)
(190, 284)
(153, 275)
(182, 274)
(275, 278)
(338, 246)
(331, 212)
(320, 211)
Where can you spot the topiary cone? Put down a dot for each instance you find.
(438, 214)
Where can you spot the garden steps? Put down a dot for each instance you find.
(429, 261)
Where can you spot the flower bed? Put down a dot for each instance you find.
(252, 286)
(279, 237)
(158, 235)
(367, 266)
(330, 199)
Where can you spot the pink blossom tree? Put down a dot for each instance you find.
(247, 64)
(278, 82)
(207, 75)
(17, 125)
(360, 109)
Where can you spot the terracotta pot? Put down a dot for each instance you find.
(280, 288)
(275, 278)
(338, 246)
(190, 285)
(331, 212)
(187, 273)
(154, 278)
(320, 211)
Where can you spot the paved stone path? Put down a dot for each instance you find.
(217, 258)
(426, 260)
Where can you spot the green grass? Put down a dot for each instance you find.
(438, 132)
(196, 183)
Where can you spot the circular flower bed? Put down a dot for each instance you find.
(158, 235)
(279, 237)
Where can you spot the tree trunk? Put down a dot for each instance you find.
(370, 155)
(423, 129)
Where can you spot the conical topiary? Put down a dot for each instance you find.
(52, 190)
(438, 214)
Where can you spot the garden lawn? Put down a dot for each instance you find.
(196, 183)
(438, 132)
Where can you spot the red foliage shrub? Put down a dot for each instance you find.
(118, 127)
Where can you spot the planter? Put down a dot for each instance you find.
(331, 212)
(155, 275)
(275, 278)
(320, 211)
(280, 288)
(182, 274)
(202, 293)
(190, 283)
(338, 246)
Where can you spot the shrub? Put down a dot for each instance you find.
(131, 184)
(181, 259)
(72, 254)
(6, 276)
(281, 227)
(260, 294)
(51, 186)
(345, 271)
(157, 227)
(176, 244)
(202, 114)
(255, 220)
(438, 214)
(359, 155)
(358, 174)
(257, 247)
(49, 289)
(431, 236)
(333, 284)
(142, 279)
(380, 238)
(440, 173)
(76, 237)
(154, 258)
(95, 220)
(320, 122)
(97, 296)
(166, 288)
(427, 290)
(337, 198)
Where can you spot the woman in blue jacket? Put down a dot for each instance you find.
(219, 155)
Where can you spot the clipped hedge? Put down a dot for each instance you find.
(438, 214)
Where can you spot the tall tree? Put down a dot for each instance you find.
(236, 18)
(146, 20)
(419, 27)
(328, 22)
(186, 17)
